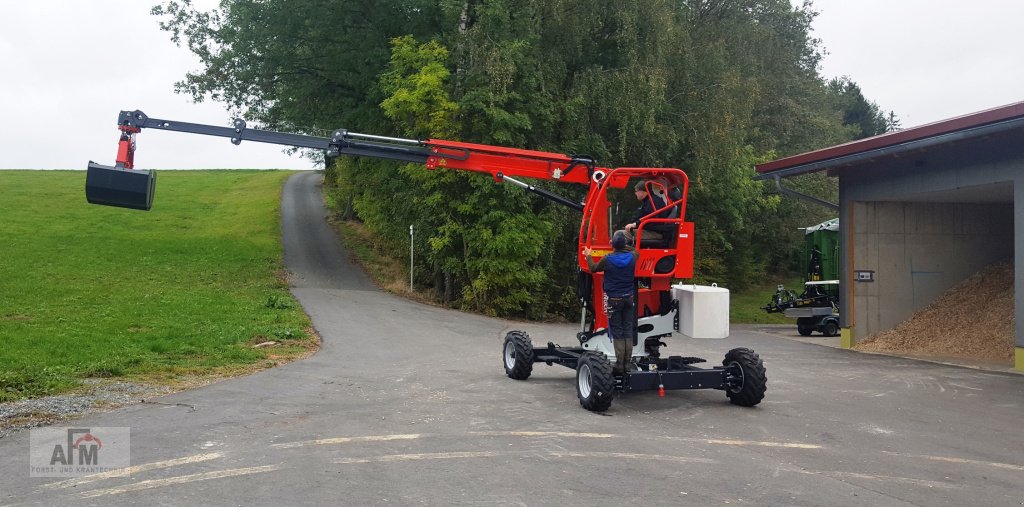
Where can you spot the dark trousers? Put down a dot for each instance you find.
(622, 328)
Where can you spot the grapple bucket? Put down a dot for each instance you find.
(116, 186)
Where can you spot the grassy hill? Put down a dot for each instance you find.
(185, 289)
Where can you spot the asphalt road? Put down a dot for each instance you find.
(407, 404)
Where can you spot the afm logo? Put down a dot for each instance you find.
(80, 440)
(71, 452)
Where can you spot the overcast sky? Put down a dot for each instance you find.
(70, 66)
(927, 60)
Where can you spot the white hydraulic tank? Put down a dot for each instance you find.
(703, 310)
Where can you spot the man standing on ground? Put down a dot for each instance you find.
(619, 285)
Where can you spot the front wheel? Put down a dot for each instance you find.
(746, 381)
(830, 328)
(518, 355)
(594, 381)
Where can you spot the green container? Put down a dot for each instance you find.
(821, 252)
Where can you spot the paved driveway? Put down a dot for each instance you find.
(407, 404)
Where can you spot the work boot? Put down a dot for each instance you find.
(615, 360)
(623, 354)
(617, 363)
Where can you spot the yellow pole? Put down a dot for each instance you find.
(846, 339)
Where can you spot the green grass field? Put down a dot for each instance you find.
(185, 289)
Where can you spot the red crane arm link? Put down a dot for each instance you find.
(508, 161)
(126, 146)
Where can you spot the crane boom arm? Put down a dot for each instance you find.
(123, 186)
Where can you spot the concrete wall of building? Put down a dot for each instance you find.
(917, 251)
(918, 208)
(1018, 272)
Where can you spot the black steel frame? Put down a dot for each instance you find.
(677, 377)
(342, 142)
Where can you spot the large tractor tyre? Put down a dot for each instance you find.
(518, 355)
(804, 326)
(594, 381)
(747, 381)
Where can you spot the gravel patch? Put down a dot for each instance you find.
(98, 395)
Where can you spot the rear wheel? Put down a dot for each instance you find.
(804, 326)
(518, 355)
(746, 381)
(594, 381)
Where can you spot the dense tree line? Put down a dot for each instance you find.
(710, 86)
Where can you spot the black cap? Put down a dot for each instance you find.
(619, 240)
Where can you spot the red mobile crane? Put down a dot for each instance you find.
(742, 374)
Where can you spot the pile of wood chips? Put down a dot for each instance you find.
(973, 320)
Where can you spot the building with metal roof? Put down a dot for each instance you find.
(921, 209)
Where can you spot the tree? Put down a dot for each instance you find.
(859, 113)
(710, 86)
(892, 123)
(296, 65)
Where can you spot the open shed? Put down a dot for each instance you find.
(921, 209)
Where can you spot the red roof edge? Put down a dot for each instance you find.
(901, 136)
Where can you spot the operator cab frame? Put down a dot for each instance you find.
(609, 206)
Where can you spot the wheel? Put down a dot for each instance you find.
(830, 328)
(745, 379)
(594, 381)
(518, 355)
(804, 327)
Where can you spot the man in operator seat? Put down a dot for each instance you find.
(619, 283)
(648, 203)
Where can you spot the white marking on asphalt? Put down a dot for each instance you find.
(344, 440)
(415, 457)
(125, 472)
(963, 461)
(390, 458)
(561, 434)
(790, 445)
(540, 434)
(902, 480)
(730, 441)
(966, 387)
(157, 483)
(630, 455)
(877, 430)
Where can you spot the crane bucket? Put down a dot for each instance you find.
(120, 187)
